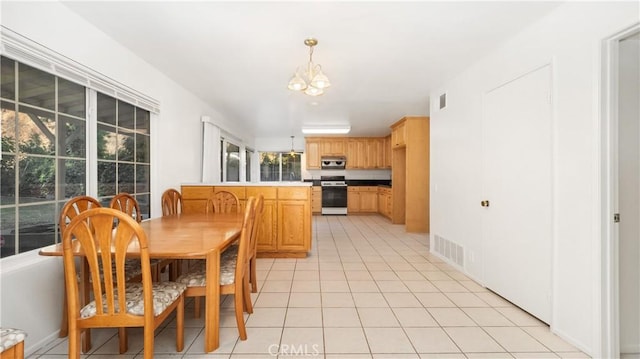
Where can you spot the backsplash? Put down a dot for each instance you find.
(348, 174)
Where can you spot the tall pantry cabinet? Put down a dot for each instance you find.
(410, 174)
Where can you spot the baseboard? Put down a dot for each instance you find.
(43, 345)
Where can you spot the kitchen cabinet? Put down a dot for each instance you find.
(285, 226)
(267, 225)
(362, 199)
(385, 202)
(398, 134)
(361, 152)
(312, 153)
(316, 199)
(410, 175)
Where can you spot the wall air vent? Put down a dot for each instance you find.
(443, 101)
(449, 250)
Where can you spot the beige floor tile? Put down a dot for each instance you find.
(473, 339)
(306, 300)
(363, 286)
(228, 339)
(451, 317)
(388, 340)
(340, 317)
(337, 300)
(303, 317)
(332, 275)
(333, 286)
(306, 275)
(434, 300)
(473, 286)
(354, 266)
(377, 317)
(276, 286)
(413, 275)
(414, 317)
(377, 266)
(515, 339)
(347, 356)
(280, 274)
(267, 317)
(307, 342)
(550, 340)
(384, 275)
(369, 300)
(392, 286)
(259, 340)
(442, 356)
(449, 286)
(488, 355)
(436, 275)
(395, 356)
(465, 300)
(420, 286)
(357, 275)
(534, 355)
(305, 286)
(494, 300)
(488, 317)
(272, 300)
(519, 317)
(567, 355)
(431, 340)
(345, 340)
(402, 300)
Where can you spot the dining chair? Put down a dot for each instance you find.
(104, 235)
(171, 205)
(171, 202)
(253, 246)
(69, 211)
(223, 202)
(128, 204)
(233, 271)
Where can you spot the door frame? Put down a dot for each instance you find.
(608, 315)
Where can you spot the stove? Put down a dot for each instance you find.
(334, 195)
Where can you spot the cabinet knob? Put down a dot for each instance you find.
(484, 203)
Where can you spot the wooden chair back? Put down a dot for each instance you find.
(126, 203)
(171, 202)
(223, 202)
(253, 244)
(105, 235)
(74, 207)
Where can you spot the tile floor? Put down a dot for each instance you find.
(367, 290)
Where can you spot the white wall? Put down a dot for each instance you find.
(569, 39)
(30, 281)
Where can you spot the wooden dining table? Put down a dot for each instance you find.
(189, 236)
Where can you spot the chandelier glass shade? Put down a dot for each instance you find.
(312, 81)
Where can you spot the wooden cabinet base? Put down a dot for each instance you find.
(282, 254)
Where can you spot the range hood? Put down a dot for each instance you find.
(333, 162)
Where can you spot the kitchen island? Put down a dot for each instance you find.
(285, 225)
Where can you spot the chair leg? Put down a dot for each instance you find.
(196, 305)
(253, 275)
(74, 344)
(64, 323)
(246, 295)
(148, 341)
(238, 301)
(86, 341)
(180, 325)
(123, 339)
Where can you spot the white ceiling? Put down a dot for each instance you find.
(383, 58)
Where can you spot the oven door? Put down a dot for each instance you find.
(334, 199)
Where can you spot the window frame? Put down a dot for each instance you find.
(280, 164)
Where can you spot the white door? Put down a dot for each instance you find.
(628, 182)
(517, 185)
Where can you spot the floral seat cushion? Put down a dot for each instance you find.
(197, 276)
(164, 293)
(10, 337)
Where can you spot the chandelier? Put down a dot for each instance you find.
(313, 81)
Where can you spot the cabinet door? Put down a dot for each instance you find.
(353, 200)
(194, 198)
(294, 225)
(267, 228)
(369, 199)
(398, 135)
(353, 157)
(386, 152)
(316, 199)
(312, 154)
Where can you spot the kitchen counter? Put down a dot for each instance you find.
(253, 184)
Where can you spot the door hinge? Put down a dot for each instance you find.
(616, 218)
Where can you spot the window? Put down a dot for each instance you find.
(280, 166)
(123, 151)
(232, 162)
(44, 153)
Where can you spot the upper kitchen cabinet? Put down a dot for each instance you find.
(333, 147)
(399, 134)
(386, 152)
(312, 153)
(410, 176)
